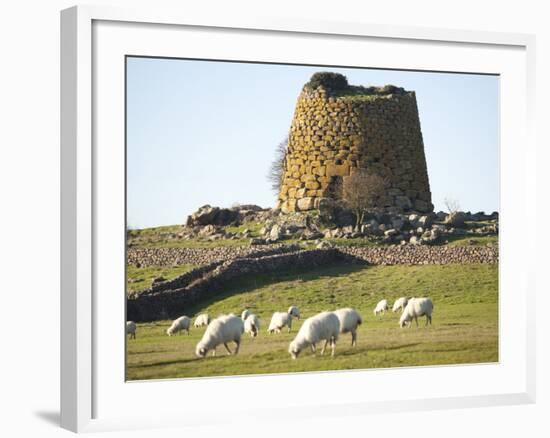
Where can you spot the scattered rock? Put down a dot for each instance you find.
(456, 219)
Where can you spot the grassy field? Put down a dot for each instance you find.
(139, 279)
(464, 330)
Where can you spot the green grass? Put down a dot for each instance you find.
(472, 241)
(139, 279)
(465, 322)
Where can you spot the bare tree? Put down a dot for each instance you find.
(277, 168)
(452, 205)
(361, 192)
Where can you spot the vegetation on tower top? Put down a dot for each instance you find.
(337, 85)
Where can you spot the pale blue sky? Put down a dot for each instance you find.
(202, 132)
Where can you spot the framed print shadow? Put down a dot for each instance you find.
(338, 212)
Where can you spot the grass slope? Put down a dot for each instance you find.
(465, 322)
(139, 279)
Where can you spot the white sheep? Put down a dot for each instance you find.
(252, 325)
(282, 319)
(222, 330)
(202, 320)
(349, 320)
(323, 326)
(416, 307)
(179, 325)
(381, 307)
(294, 311)
(131, 328)
(400, 303)
(245, 314)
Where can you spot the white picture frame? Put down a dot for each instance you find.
(85, 179)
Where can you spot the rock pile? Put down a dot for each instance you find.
(208, 215)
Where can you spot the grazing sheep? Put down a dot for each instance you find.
(400, 303)
(245, 314)
(323, 326)
(202, 320)
(179, 325)
(252, 325)
(349, 320)
(281, 319)
(131, 328)
(417, 307)
(381, 307)
(294, 311)
(222, 330)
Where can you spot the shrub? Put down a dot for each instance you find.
(277, 168)
(329, 80)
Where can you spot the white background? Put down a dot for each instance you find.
(29, 184)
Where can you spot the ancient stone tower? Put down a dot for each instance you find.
(338, 128)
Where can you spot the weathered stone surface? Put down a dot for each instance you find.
(331, 136)
(275, 233)
(208, 215)
(305, 203)
(455, 219)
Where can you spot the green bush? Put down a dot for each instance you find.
(328, 80)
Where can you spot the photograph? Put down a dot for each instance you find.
(286, 218)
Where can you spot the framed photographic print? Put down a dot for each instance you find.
(284, 207)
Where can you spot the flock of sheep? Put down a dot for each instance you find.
(325, 326)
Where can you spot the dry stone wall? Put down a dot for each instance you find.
(176, 297)
(424, 255)
(144, 257)
(334, 134)
(172, 298)
(392, 255)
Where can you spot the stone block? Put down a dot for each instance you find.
(305, 204)
(337, 169)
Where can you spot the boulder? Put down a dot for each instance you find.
(203, 216)
(456, 219)
(324, 245)
(305, 204)
(425, 221)
(413, 220)
(256, 241)
(441, 215)
(397, 223)
(275, 233)
(414, 240)
(207, 230)
(347, 229)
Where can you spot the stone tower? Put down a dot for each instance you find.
(338, 128)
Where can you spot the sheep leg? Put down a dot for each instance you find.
(332, 346)
(237, 347)
(313, 348)
(324, 347)
(227, 348)
(353, 338)
(214, 351)
(416, 320)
